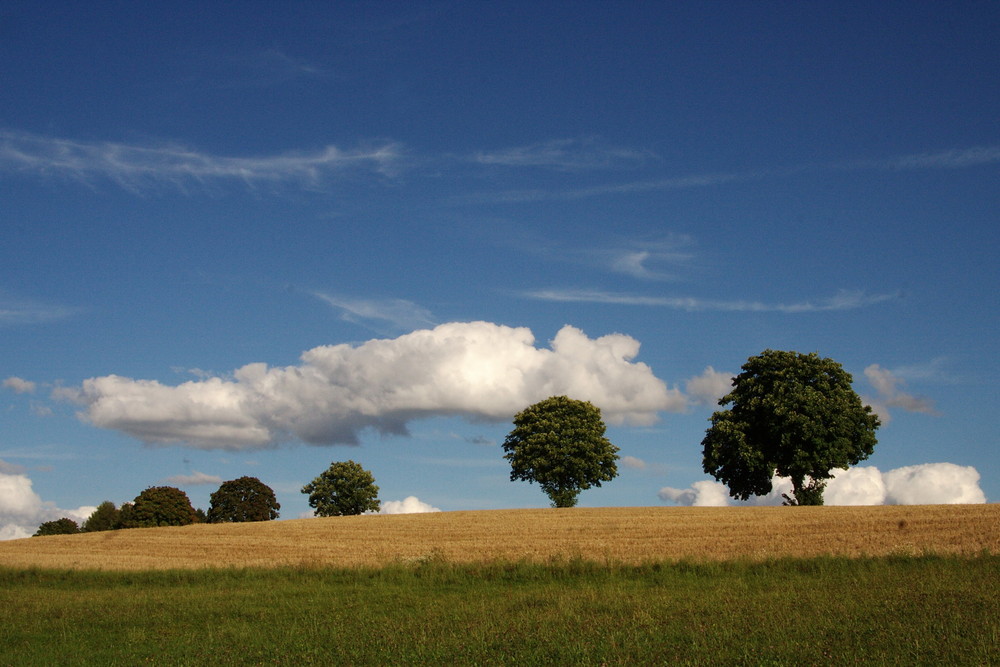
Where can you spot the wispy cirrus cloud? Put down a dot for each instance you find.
(16, 311)
(843, 300)
(566, 155)
(136, 167)
(958, 158)
(400, 313)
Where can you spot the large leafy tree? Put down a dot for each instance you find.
(344, 488)
(61, 526)
(243, 499)
(105, 517)
(792, 415)
(161, 506)
(559, 443)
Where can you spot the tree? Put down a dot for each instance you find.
(560, 443)
(126, 517)
(345, 488)
(61, 526)
(791, 415)
(162, 506)
(105, 517)
(243, 499)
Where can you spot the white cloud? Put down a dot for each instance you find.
(933, 483)
(709, 387)
(924, 484)
(842, 300)
(633, 462)
(409, 505)
(22, 510)
(194, 479)
(19, 386)
(704, 493)
(477, 370)
(863, 485)
(398, 312)
(888, 386)
(136, 167)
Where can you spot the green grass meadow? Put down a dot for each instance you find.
(902, 610)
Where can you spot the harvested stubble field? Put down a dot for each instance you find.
(613, 535)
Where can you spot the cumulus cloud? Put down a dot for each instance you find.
(709, 387)
(19, 386)
(22, 510)
(477, 370)
(924, 484)
(889, 388)
(703, 493)
(933, 483)
(633, 462)
(136, 167)
(194, 479)
(409, 505)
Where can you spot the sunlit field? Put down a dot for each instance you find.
(691, 586)
(604, 535)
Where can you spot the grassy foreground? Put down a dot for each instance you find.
(828, 610)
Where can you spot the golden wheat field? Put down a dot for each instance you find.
(616, 535)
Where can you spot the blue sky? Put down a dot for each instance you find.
(256, 240)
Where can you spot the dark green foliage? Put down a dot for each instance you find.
(200, 516)
(105, 517)
(162, 506)
(791, 415)
(345, 488)
(61, 526)
(126, 517)
(559, 443)
(243, 499)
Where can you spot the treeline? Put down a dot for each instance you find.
(238, 500)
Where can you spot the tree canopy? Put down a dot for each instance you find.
(345, 488)
(161, 506)
(243, 499)
(105, 517)
(63, 526)
(559, 443)
(792, 415)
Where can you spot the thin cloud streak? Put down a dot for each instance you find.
(15, 311)
(564, 155)
(134, 167)
(950, 159)
(400, 313)
(843, 300)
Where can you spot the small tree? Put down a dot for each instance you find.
(105, 517)
(791, 415)
(560, 443)
(61, 526)
(344, 488)
(162, 506)
(243, 499)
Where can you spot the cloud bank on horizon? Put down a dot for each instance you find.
(477, 370)
(923, 484)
